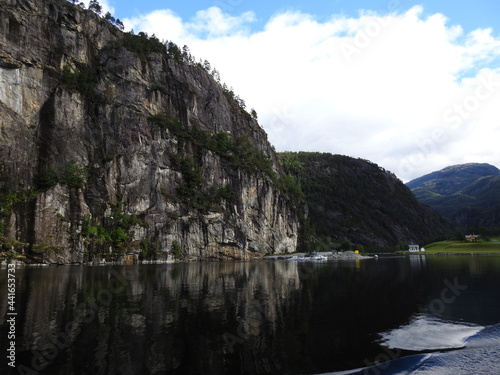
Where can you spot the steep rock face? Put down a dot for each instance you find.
(107, 150)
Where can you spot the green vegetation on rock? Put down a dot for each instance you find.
(114, 230)
(238, 152)
(81, 78)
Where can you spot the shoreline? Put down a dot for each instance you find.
(346, 255)
(301, 256)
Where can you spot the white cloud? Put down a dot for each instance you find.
(398, 89)
(164, 23)
(213, 23)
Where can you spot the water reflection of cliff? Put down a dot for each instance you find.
(183, 318)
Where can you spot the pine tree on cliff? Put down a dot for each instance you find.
(95, 6)
(119, 24)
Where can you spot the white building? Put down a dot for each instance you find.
(413, 248)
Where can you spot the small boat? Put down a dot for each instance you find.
(319, 257)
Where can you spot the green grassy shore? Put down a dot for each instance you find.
(462, 247)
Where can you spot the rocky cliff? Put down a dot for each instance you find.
(117, 146)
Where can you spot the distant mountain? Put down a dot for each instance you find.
(357, 201)
(468, 194)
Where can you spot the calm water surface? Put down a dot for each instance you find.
(277, 317)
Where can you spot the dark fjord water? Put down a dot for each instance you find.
(422, 314)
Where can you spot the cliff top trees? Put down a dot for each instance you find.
(95, 6)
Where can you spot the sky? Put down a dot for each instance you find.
(412, 86)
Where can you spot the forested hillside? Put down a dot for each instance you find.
(354, 202)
